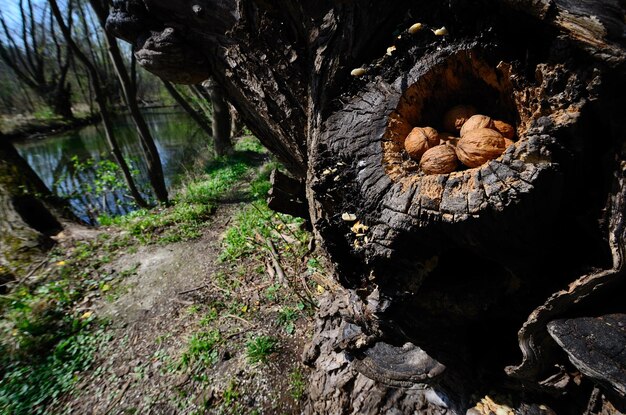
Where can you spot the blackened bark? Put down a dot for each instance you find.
(287, 195)
(442, 270)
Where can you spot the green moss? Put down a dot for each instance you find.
(21, 249)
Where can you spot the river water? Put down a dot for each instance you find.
(74, 164)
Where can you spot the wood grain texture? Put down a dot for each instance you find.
(451, 264)
(596, 346)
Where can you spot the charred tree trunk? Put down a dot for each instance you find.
(445, 277)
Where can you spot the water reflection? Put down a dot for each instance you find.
(74, 164)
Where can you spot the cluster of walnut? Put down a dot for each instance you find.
(481, 139)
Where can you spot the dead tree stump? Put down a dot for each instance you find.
(447, 276)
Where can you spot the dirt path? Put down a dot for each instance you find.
(166, 309)
(164, 273)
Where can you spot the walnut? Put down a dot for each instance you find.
(419, 140)
(508, 142)
(479, 146)
(432, 136)
(416, 143)
(439, 160)
(456, 117)
(504, 128)
(476, 121)
(450, 139)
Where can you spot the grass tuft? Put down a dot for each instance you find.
(195, 204)
(259, 348)
(202, 349)
(298, 384)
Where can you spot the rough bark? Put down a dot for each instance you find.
(221, 120)
(29, 213)
(287, 195)
(442, 271)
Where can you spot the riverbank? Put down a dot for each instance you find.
(74, 162)
(22, 127)
(201, 307)
(25, 127)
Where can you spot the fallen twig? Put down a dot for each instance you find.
(31, 272)
(238, 318)
(306, 287)
(192, 290)
(214, 285)
(230, 336)
(118, 398)
(276, 262)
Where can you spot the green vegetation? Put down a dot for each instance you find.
(28, 386)
(297, 384)
(287, 317)
(257, 220)
(196, 202)
(231, 395)
(259, 348)
(181, 222)
(201, 349)
(107, 179)
(45, 113)
(47, 340)
(238, 307)
(44, 342)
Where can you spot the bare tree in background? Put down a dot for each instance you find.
(218, 112)
(197, 116)
(100, 98)
(129, 90)
(40, 60)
